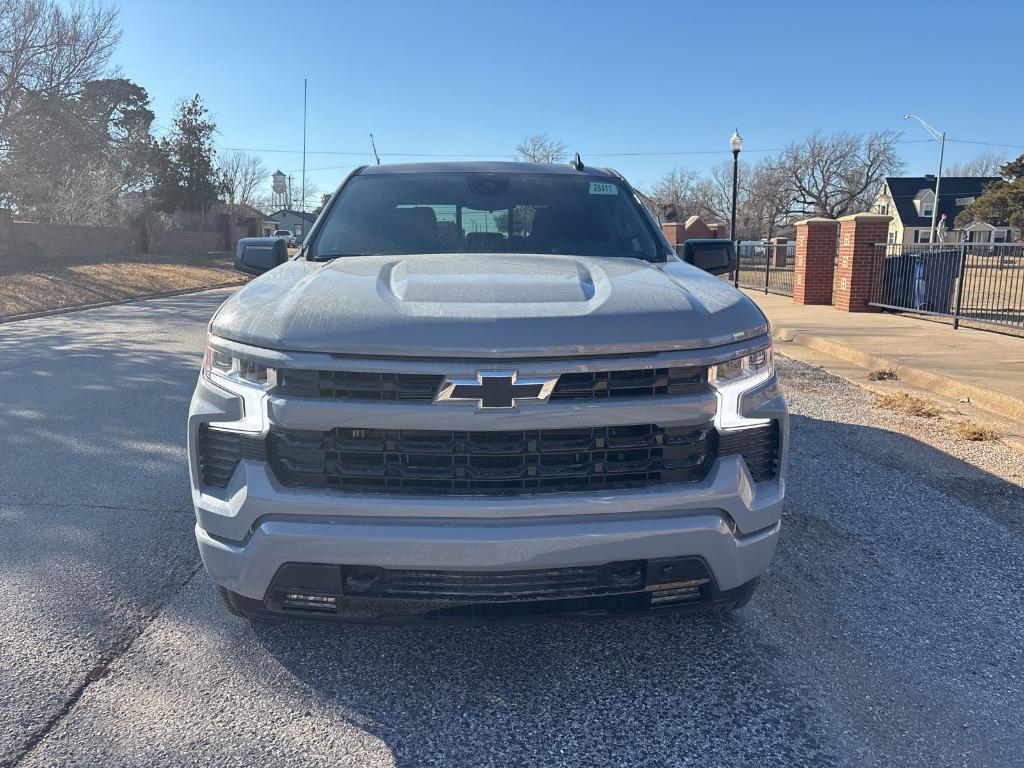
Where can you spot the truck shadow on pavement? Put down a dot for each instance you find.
(886, 612)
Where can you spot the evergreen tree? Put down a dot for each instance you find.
(185, 176)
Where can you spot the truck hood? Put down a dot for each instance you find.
(486, 306)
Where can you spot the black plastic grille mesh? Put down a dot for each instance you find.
(535, 461)
(758, 446)
(219, 453)
(531, 461)
(414, 387)
(358, 385)
(656, 381)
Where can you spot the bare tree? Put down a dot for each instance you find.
(985, 164)
(49, 52)
(675, 196)
(312, 192)
(762, 201)
(242, 174)
(541, 148)
(767, 203)
(838, 174)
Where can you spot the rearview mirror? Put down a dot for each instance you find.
(712, 255)
(256, 255)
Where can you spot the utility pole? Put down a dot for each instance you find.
(939, 136)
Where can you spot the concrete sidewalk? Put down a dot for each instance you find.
(986, 367)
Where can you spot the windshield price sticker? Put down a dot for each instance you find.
(603, 188)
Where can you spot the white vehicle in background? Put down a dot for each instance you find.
(288, 235)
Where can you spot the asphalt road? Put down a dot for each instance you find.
(890, 630)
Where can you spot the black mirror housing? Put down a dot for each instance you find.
(712, 255)
(256, 255)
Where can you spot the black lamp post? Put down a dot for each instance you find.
(736, 142)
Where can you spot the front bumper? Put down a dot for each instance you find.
(249, 568)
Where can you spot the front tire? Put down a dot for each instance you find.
(745, 592)
(226, 596)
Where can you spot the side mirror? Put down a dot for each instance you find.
(256, 255)
(712, 255)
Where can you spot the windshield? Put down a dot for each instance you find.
(485, 213)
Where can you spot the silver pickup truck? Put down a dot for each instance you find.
(481, 391)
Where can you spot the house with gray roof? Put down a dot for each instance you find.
(911, 199)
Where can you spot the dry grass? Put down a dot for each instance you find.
(901, 402)
(883, 374)
(47, 288)
(968, 430)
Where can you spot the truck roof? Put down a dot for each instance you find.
(485, 166)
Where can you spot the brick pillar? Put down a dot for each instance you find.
(858, 236)
(779, 251)
(815, 261)
(672, 230)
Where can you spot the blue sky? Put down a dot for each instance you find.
(605, 78)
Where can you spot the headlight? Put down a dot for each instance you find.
(221, 366)
(732, 378)
(756, 364)
(247, 379)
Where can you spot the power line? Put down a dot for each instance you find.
(681, 153)
(511, 155)
(987, 143)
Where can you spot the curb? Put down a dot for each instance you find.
(115, 302)
(999, 403)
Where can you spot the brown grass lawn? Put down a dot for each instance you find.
(24, 289)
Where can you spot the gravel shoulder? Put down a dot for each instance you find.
(889, 631)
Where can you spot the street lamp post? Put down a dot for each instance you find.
(736, 142)
(939, 136)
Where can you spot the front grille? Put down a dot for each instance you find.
(324, 588)
(392, 461)
(656, 381)
(532, 461)
(758, 446)
(219, 453)
(358, 385)
(415, 387)
(498, 585)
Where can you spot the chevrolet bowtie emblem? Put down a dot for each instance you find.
(496, 389)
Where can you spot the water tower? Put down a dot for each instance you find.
(279, 187)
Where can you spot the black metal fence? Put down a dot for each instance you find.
(980, 282)
(767, 267)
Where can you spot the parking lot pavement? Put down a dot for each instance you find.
(889, 631)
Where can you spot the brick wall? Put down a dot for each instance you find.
(678, 232)
(184, 242)
(22, 242)
(813, 266)
(858, 236)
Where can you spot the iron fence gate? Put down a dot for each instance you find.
(980, 282)
(766, 266)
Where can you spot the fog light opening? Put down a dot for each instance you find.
(303, 601)
(678, 592)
